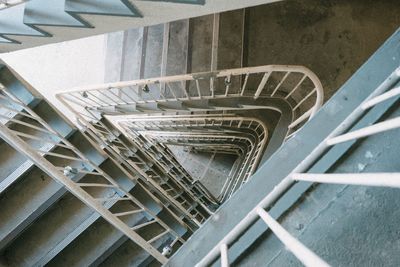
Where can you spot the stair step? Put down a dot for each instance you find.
(35, 185)
(129, 254)
(73, 220)
(15, 164)
(230, 47)
(154, 48)
(201, 31)
(101, 7)
(52, 15)
(48, 231)
(98, 240)
(11, 23)
(230, 40)
(177, 58)
(132, 50)
(114, 56)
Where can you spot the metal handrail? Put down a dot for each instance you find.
(295, 82)
(339, 135)
(78, 164)
(146, 126)
(135, 171)
(138, 144)
(297, 86)
(123, 153)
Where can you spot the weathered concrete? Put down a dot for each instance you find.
(332, 38)
(345, 225)
(211, 170)
(153, 56)
(201, 29)
(178, 47)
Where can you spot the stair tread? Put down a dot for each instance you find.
(11, 22)
(52, 15)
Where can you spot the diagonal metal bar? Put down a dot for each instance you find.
(305, 255)
(76, 190)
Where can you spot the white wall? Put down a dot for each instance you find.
(58, 67)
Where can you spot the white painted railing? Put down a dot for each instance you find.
(154, 171)
(162, 129)
(297, 85)
(108, 190)
(338, 135)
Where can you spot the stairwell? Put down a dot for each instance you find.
(127, 171)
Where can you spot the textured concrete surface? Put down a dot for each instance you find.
(345, 225)
(332, 38)
(210, 169)
(152, 62)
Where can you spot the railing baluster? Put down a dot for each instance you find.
(368, 179)
(306, 256)
(246, 78)
(262, 84)
(280, 83)
(224, 255)
(366, 131)
(378, 99)
(296, 86)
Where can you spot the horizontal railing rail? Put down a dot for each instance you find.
(299, 86)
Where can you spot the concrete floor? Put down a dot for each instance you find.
(211, 169)
(345, 225)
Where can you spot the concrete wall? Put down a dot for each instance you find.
(153, 12)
